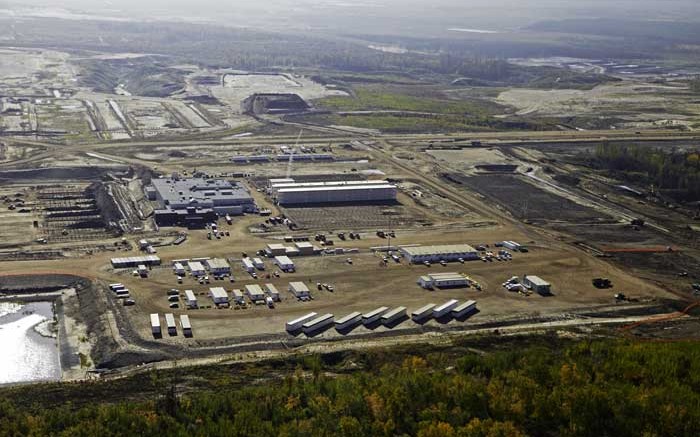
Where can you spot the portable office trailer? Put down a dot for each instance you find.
(196, 268)
(348, 321)
(116, 286)
(299, 289)
(238, 296)
(142, 270)
(248, 265)
(191, 299)
(444, 280)
(179, 269)
(537, 284)
(155, 324)
(393, 315)
(374, 315)
(512, 245)
(255, 293)
(185, 325)
(170, 323)
(305, 248)
(447, 252)
(423, 312)
(284, 263)
(218, 266)
(122, 292)
(272, 292)
(275, 249)
(445, 308)
(218, 295)
(298, 323)
(259, 264)
(464, 309)
(317, 324)
(133, 261)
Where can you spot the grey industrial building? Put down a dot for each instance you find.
(293, 193)
(449, 252)
(193, 202)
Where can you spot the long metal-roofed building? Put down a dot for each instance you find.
(300, 193)
(448, 252)
(135, 261)
(191, 200)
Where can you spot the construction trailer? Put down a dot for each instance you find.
(170, 323)
(196, 268)
(179, 269)
(296, 324)
(142, 270)
(433, 254)
(393, 315)
(275, 249)
(255, 293)
(284, 263)
(248, 265)
(537, 284)
(374, 315)
(218, 266)
(423, 312)
(238, 296)
(299, 289)
(155, 324)
(259, 264)
(272, 291)
(134, 261)
(185, 325)
(512, 245)
(219, 295)
(116, 286)
(317, 324)
(444, 280)
(191, 299)
(305, 248)
(445, 308)
(464, 309)
(348, 321)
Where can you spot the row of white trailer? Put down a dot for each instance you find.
(220, 296)
(312, 322)
(170, 324)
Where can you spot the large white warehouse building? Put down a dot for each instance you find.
(448, 252)
(288, 193)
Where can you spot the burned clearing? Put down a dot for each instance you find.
(528, 202)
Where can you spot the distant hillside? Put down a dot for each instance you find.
(146, 76)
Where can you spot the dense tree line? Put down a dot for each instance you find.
(676, 172)
(600, 388)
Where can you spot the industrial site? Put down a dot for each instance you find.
(193, 212)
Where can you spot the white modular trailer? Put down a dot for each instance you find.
(191, 299)
(284, 263)
(336, 194)
(218, 266)
(299, 289)
(122, 292)
(116, 286)
(537, 284)
(512, 245)
(393, 315)
(272, 291)
(423, 312)
(464, 309)
(134, 261)
(259, 264)
(445, 308)
(298, 323)
(238, 296)
(275, 249)
(186, 325)
(374, 315)
(255, 293)
(348, 321)
(248, 265)
(447, 252)
(218, 295)
(170, 323)
(179, 269)
(196, 268)
(155, 324)
(317, 324)
(444, 280)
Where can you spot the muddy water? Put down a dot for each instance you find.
(27, 356)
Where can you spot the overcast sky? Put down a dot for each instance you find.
(383, 16)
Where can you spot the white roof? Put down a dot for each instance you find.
(376, 312)
(447, 249)
(464, 306)
(218, 263)
(303, 318)
(218, 292)
(170, 320)
(276, 246)
(336, 188)
(283, 259)
(298, 286)
(394, 312)
(349, 317)
(425, 309)
(155, 320)
(271, 288)
(317, 320)
(304, 244)
(254, 290)
(195, 266)
(185, 321)
(189, 294)
(536, 280)
(447, 304)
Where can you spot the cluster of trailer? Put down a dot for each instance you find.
(170, 325)
(313, 323)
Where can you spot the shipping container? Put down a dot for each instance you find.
(423, 312)
(348, 321)
(374, 315)
(170, 323)
(464, 309)
(317, 324)
(393, 315)
(445, 308)
(298, 323)
(155, 324)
